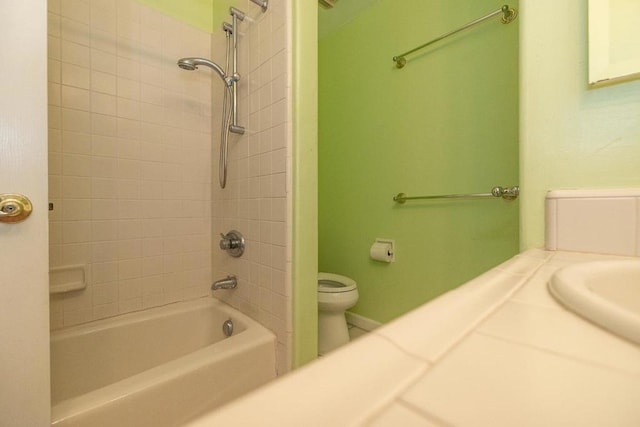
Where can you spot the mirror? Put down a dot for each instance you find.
(614, 41)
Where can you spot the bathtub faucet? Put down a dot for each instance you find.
(229, 283)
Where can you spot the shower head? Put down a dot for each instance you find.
(191, 64)
(187, 64)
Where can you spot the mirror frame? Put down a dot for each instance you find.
(603, 69)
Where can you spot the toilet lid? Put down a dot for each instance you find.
(331, 283)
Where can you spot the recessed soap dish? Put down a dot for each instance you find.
(67, 278)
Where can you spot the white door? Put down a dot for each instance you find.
(24, 306)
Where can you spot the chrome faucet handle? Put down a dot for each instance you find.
(224, 242)
(233, 243)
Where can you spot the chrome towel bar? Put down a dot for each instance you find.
(508, 15)
(506, 193)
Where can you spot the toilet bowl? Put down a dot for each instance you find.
(336, 294)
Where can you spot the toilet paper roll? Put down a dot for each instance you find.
(381, 251)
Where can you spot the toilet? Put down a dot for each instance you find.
(336, 294)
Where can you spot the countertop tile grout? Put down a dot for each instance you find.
(612, 368)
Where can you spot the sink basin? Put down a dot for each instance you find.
(604, 292)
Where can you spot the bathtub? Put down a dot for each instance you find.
(159, 367)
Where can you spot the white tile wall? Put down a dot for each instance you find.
(257, 198)
(129, 149)
(600, 221)
(133, 153)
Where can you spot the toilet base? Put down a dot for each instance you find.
(332, 331)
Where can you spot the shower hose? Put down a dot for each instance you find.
(225, 125)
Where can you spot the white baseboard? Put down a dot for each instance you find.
(361, 322)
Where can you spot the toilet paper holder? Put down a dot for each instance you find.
(383, 250)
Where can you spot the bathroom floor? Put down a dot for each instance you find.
(356, 331)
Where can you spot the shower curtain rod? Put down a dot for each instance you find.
(508, 15)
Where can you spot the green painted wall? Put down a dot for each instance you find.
(207, 15)
(572, 136)
(446, 123)
(199, 13)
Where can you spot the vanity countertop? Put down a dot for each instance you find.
(497, 351)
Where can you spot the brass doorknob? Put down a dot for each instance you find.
(14, 207)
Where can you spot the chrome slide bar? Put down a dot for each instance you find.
(236, 15)
(264, 4)
(506, 193)
(508, 15)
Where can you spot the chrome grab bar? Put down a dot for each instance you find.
(508, 15)
(506, 193)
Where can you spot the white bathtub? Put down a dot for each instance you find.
(159, 367)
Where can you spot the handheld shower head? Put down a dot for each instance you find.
(187, 64)
(191, 64)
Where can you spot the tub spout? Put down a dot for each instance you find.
(229, 283)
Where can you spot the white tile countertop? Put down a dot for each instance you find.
(497, 351)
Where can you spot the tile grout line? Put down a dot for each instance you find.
(372, 412)
(617, 370)
(484, 316)
(472, 325)
(424, 413)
